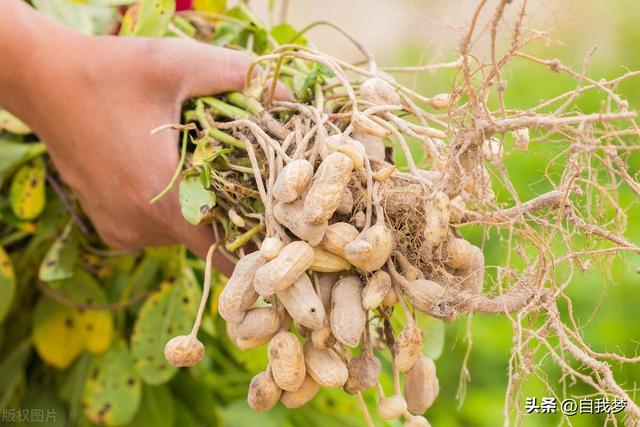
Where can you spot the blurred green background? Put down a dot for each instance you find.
(417, 32)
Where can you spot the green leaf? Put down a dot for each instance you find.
(148, 18)
(433, 334)
(238, 414)
(61, 259)
(7, 284)
(184, 417)
(51, 407)
(14, 154)
(284, 34)
(93, 18)
(27, 192)
(157, 408)
(195, 201)
(111, 395)
(12, 369)
(166, 313)
(227, 33)
(198, 398)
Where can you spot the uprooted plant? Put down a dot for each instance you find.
(344, 237)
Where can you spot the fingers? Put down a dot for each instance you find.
(210, 70)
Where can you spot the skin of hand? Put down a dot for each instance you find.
(93, 102)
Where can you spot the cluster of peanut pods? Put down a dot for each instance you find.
(341, 273)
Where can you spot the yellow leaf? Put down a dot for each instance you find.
(210, 6)
(58, 336)
(27, 191)
(7, 284)
(98, 330)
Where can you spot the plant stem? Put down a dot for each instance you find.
(244, 238)
(174, 178)
(221, 108)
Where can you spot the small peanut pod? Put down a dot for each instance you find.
(459, 253)
(324, 285)
(372, 249)
(373, 145)
(259, 323)
(286, 359)
(299, 397)
(364, 124)
(391, 298)
(325, 367)
(379, 91)
(271, 247)
(283, 270)
(326, 262)
(392, 407)
(376, 289)
(238, 295)
(355, 150)
(293, 180)
(348, 316)
(425, 295)
(457, 209)
(246, 344)
(421, 385)
(183, 351)
(323, 338)
(291, 215)
(345, 207)
(415, 421)
(328, 145)
(436, 219)
(408, 346)
(337, 236)
(384, 173)
(365, 370)
(327, 186)
(302, 303)
(441, 101)
(473, 275)
(264, 393)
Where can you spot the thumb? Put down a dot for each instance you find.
(210, 70)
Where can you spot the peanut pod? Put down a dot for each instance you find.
(327, 187)
(291, 215)
(325, 367)
(286, 359)
(326, 262)
(376, 289)
(283, 270)
(293, 180)
(337, 236)
(302, 303)
(421, 385)
(348, 317)
(299, 397)
(238, 295)
(264, 393)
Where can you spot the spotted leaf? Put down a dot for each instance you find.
(60, 261)
(148, 18)
(27, 193)
(111, 395)
(166, 313)
(195, 201)
(58, 334)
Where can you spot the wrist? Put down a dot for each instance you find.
(33, 47)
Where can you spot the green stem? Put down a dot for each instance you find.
(226, 138)
(16, 236)
(244, 238)
(174, 178)
(221, 108)
(245, 102)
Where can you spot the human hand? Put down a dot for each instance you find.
(93, 101)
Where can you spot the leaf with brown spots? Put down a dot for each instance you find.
(27, 192)
(61, 258)
(166, 313)
(109, 396)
